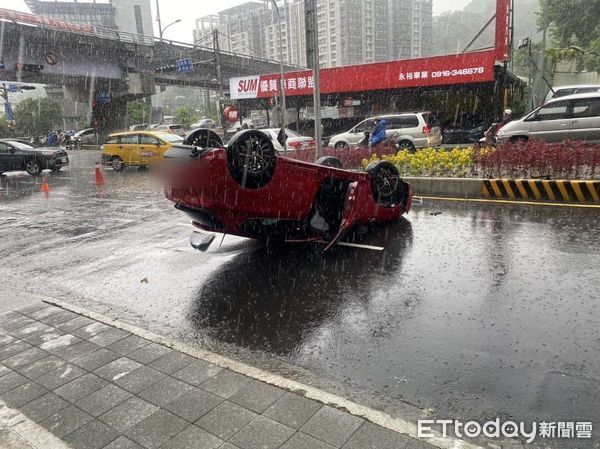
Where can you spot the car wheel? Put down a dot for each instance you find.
(204, 138)
(405, 145)
(340, 146)
(117, 163)
(33, 167)
(251, 158)
(388, 189)
(518, 139)
(329, 161)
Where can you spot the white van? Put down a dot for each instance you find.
(573, 117)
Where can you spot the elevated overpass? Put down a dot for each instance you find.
(88, 59)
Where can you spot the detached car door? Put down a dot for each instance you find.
(551, 123)
(585, 121)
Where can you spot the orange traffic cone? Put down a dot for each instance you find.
(45, 186)
(99, 175)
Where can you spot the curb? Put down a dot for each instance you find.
(583, 192)
(382, 419)
(568, 191)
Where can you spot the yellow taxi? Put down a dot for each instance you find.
(136, 148)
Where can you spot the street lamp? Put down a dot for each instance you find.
(283, 125)
(163, 30)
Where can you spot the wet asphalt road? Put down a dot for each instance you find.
(473, 310)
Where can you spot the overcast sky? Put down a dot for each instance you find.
(188, 10)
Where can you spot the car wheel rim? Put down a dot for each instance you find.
(256, 156)
(386, 182)
(117, 164)
(32, 167)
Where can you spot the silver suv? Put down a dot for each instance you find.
(411, 130)
(574, 117)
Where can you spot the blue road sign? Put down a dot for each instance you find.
(13, 88)
(184, 65)
(103, 97)
(8, 110)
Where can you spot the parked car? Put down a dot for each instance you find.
(204, 123)
(247, 123)
(138, 127)
(294, 140)
(137, 148)
(15, 156)
(563, 91)
(172, 129)
(250, 190)
(412, 129)
(468, 128)
(574, 117)
(87, 136)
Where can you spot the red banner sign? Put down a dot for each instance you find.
(503, 30)
(464, 68)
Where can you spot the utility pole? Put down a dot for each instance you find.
(218, 74)
(282, 83)
(158, 20)
(312, 59)
(542, 75)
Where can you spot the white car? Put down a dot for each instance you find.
(411, 130)
(574, 117)
(204, 123)
(87, 136)
(294, 141)
(172, 129)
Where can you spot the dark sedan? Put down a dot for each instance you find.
(15, 156)
(468, 128)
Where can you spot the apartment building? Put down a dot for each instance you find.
(350, 31)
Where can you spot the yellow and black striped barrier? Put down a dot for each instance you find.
(570, 191)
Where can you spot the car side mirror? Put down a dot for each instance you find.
(12, 150)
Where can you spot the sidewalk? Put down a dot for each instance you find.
(70, 381)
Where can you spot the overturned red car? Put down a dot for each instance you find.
(249, 189)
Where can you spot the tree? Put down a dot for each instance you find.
(5, 131)
(139, 112)
(574, 24)
(184, 116)
(35, 116)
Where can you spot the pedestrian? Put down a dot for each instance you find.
(378, 134)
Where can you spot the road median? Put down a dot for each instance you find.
(556, 190)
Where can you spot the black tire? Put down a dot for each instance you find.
(519, 139)
(341, 146)
(329, 161)
(251, 158)
(405, 145)
(204, 138)
(386, 184)
(33, 167)
(117, 163)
